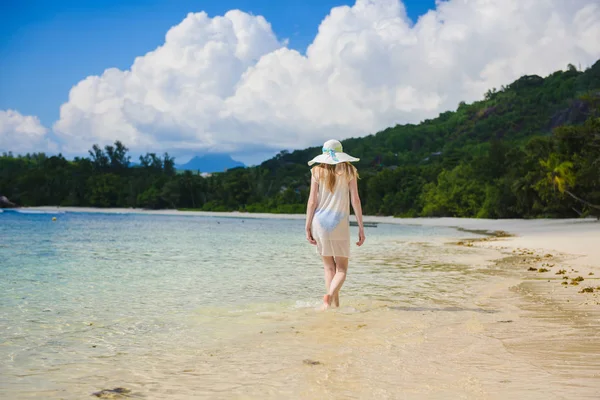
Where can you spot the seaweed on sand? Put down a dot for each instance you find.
(587, 290)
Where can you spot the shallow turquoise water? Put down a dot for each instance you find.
(89, 289)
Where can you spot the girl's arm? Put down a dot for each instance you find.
(356, 206)
(313, 201)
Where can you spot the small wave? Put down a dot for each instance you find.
(303, 304)
(267, 314)
(306, 304)
(38, 212)
(348, 310)
(237, 311)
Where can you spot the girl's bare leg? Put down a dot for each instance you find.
(329, 268)
(341, 268)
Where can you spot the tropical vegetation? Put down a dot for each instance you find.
(529, 149)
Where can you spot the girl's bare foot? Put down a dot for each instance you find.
(326, 302)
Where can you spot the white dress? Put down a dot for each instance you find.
(331, 223)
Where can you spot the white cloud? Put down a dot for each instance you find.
(228, 84)
(23, 133)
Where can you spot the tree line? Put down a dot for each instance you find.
(529, 149)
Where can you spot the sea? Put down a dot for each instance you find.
(192, 306)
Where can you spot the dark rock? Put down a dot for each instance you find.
(576, 113)
(6, 203)
(115, 393)
(484, 113)
(311, 362)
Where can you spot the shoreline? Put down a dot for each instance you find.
(516, 332)
(572, 241)
(578, 237)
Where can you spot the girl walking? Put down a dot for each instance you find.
(333, 188)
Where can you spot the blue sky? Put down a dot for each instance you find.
(225, 85)
(48, 46)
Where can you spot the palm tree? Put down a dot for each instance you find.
(560, 175)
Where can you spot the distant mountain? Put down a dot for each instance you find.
(210, 163)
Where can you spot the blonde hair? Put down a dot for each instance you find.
(329, 173)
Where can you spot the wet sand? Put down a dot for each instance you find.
(516, 335)
(519, 331)
(519, 334)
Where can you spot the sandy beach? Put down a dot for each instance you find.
(528, 327)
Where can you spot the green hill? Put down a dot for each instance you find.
(484, 158)
(530, 149)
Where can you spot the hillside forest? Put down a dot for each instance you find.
(527, 150)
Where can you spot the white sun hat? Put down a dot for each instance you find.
(333, 153)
